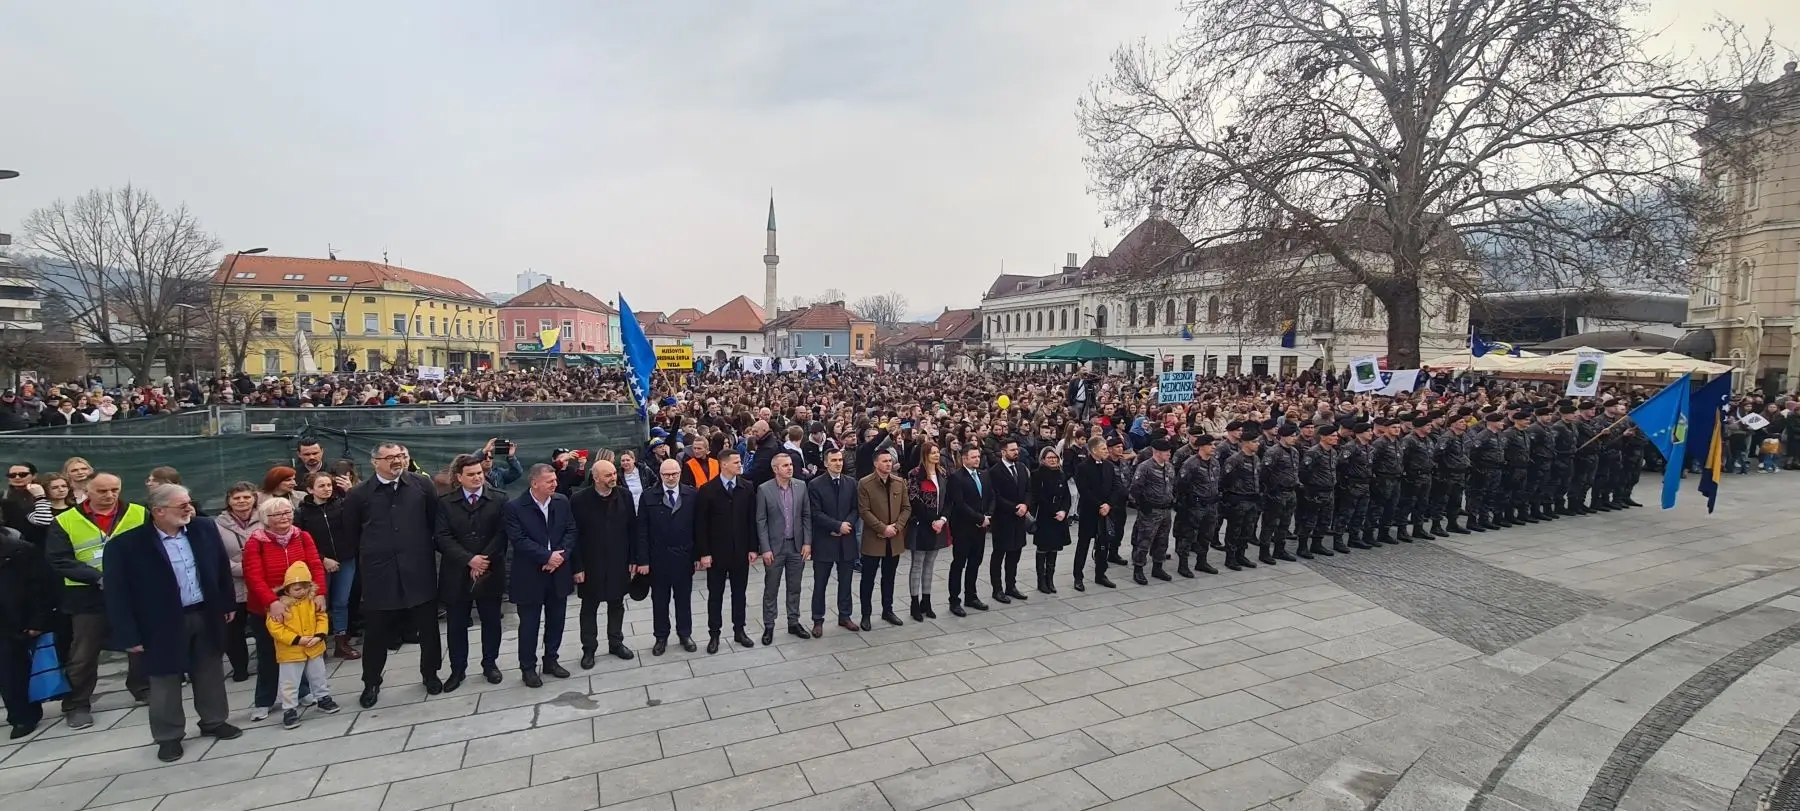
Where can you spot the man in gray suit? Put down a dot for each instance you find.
(784, 533)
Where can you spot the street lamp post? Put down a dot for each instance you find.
(406, 345)
(341, 324)
(219, 305)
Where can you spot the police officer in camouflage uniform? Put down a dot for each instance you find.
(1486, 447)
(1196, 507)
(1355, 471)
(1281, 484)
(1153, 489)
(1452, 476)
(1318, 485)
(1417, 461)
(1543, 460)
(1562, 469)
(1633, 448)
(1241, 496)
(1384, 497)
(1587, 458)
(1518, 471)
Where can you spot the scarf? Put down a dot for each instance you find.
(270, 535)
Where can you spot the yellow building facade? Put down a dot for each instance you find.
(348, 315)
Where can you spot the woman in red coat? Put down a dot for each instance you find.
(268, 553)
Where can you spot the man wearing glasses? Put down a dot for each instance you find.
(169, 595)
(392, 521)
(76, 546)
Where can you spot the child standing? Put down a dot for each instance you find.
(300, 644)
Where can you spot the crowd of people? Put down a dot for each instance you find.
(843, 472)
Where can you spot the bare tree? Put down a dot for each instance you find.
(977, 354)
(125, 263)
(795, 302)
(1369, 144)
(885, 309)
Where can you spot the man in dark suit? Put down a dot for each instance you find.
(471, 540)
(611, 552)
(832, 496)
(666, 529)
(541, 529)
(392, 521)
(168, 591)
(725, 534)
(1012, 508)
(970, 506)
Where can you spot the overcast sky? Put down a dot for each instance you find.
(911, 145)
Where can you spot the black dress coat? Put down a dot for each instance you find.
(967, 504)
(1049, 496)
(606, 530)
(465, 530)
(725, 523)
(394, 528)
(1009, 492)
(668, 535)
(143, 602)
(833, 505)
(1097, 482)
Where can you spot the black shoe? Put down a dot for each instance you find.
(1231, 560)
(491, 673)
(768, 636)
(553, 668)
(433, 685)
(1265, 555)
(1104, 581)
(1078, 585)
(687, 644)
(455, 681)
(794, 629)
(1318, 548)
(712, 644)
(1401, 534)
(370, 694)
(1303, 552)
(1244, 561)
(621, 652)
(914, 610)
(1014, 592)
(587, 660)
(532, 679)
(328, 705)
(1158, 573)
(240, 675)
(1387, 537)
(1456, 529)
(891, 618)
(1437, 528)
(956, 609)
(1630, 503)
(1201, 565)
(1183, 568)
(661, 647)
(1337, 545)
(222, 731)
(975, 603)
(21, 730)
(865, 624)
(742, 639)
(168, 751)
(925, 607)
(1113, 559)
(1281, 553)
(1000, 597)
(1137, 576)
(290, 719)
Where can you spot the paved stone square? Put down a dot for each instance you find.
(1638, 660)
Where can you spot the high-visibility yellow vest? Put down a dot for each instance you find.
(89, 541)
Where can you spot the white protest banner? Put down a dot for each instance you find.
(1584, 376)
(1365, 374)
(431, 373)
(1174, 387)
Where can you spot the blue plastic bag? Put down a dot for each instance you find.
(47, 679)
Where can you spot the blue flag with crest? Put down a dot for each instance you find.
(1663, 420)
(639, 357)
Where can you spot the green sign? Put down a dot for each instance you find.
(528, 347)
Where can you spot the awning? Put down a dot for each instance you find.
(1082, 350)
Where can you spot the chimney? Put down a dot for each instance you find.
(1070, 262)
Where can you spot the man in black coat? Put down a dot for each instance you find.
(471, 537)
(392, 520)
(29, 591)
(1097, 483)
(725, 534)
(1012, 510)
(970, 507)
(611, 552)
(836, 546)
(666, 529)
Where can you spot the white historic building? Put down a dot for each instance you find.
(1174, 306)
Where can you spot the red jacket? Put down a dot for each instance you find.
(266, 562)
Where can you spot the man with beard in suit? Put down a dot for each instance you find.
(725, 534)
(611, 552)
(1012, 507)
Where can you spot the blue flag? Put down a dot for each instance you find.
(1289, 333)
(639, 357)
(1663, 420)
(1479, 347)
(1706, 444)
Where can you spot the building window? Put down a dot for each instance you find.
(543, 325)
(268, 297)
(373, 360)
(1746, 279)
(1065, 320)
(1452, 308)
(431, 324)
(337, 322)
(743, 342)
(518, 328)
(1169, 313)
(1231, 364)
(1131, 314)
(1100, 317)
(1187, 363)
(368, 299)
(371, 323)
(827, 338)
(399, 323)
(1149, 313)
(1212, 311)
(1040, 321)
(859, 342)
(303, 322)
(302, 297)
(1193, 309)
(1368, 305)
(271, 361)
(1212, 365)
(418, 325)
(709, 341)
(337, 299)
(568, 330)
(269, 322)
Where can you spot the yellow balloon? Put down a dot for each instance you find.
(1004, 402)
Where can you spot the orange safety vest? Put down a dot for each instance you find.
(703, 473)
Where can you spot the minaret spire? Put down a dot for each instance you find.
(770, 260)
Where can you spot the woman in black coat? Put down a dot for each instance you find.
(321, 515)
(29, 594)
(1050, 497)
(606, 530)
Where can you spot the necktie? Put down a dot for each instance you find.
(728, 486)
(976, 477)
(669, 499)
(472, 497)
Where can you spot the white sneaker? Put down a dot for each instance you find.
(259, 714)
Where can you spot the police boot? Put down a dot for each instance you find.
(1157, 571)
(1137, 576)
(1337, 545)
(1458, 529)
(1357, 542)
(1488, 521)
(1401, 534)
(1281, 552)
(1231, 559)
(1243, 557)
(1181, 565)
(1317, 547)
(1303, 551)
(1265, 555)
(1386, 536)
(1437, 528)
(1200, 563)
(1526, 516)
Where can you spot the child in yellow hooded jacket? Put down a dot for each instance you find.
(299, 637)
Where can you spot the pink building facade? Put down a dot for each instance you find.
(585, 325)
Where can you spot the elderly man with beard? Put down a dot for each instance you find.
(392, 521)
(611, 551)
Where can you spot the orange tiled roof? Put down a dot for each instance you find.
(685, 315)
(262, 270)
(737, 315)
(663, 329)
(551, 294)
(832, 315)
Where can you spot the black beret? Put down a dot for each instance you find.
(1566, 408)
(1328, 428)
(1464, 411)
(1234, 425)
(1362, 428)
(1406, 416)
(1205, 439)
(1384, 421)
(1421, 422)
(1586, 405)
(1543, 411)
(1271, 424)
(1161, 445)
(1521, 414)
(1436, 414)
(1495, 416)
(1287, 430)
